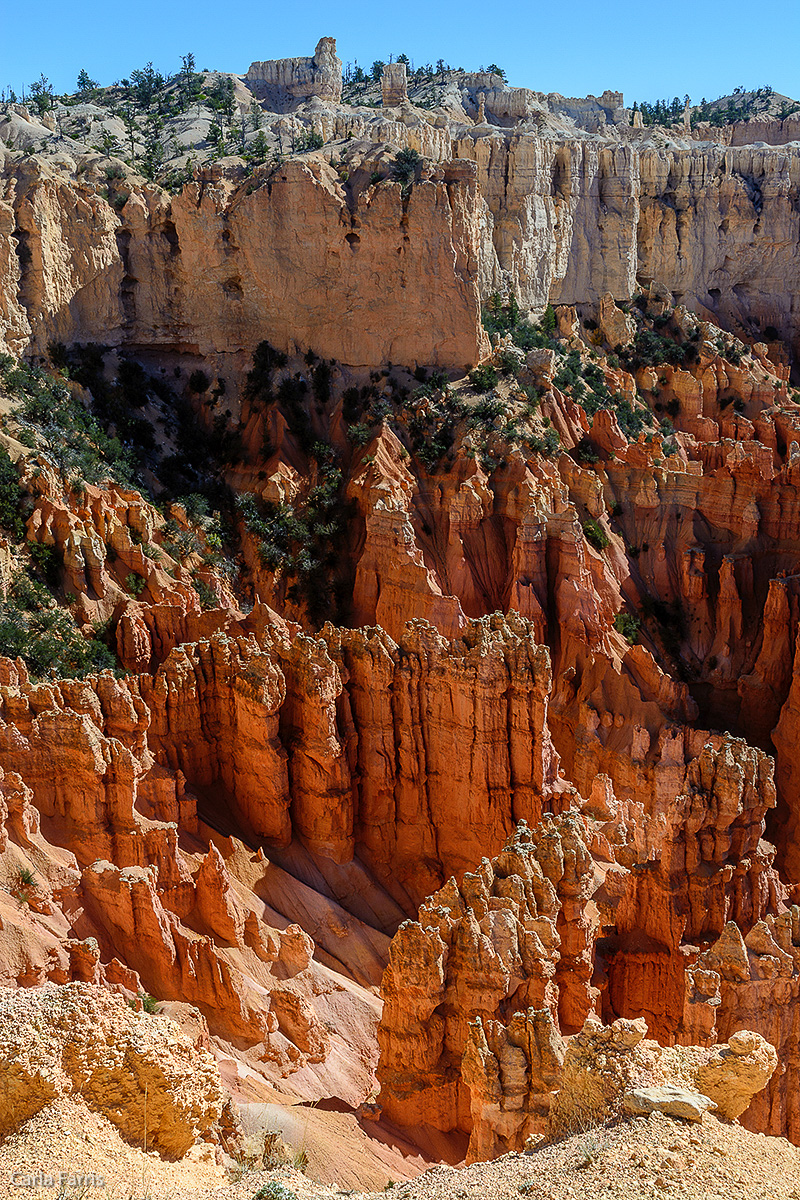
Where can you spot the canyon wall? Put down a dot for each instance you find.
(216, 269)
(719, 227)
(516, 769)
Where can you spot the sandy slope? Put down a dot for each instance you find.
(655, 1157)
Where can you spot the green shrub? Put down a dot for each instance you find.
(430, 451)
(585, 452)
(484, 378)
(552, 443)
(199, 382)
(351, 404)
(548, 445)
(34, 628)
(301, 540)
(309, 141)
(595, 534)
(47, 561)
(569, 374)
(404, 167)
(54, 419)
(195, 505)
(512, 360)
(207, 596)
(533, 398)
(488, 409)
(135, 583)
(10, 497)
(359, 434)
(628, 625)
(650, 349)
(321, 382)
(631, 418)
(274, 1190)
(499, 317)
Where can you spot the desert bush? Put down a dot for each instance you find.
(34, 628)
(404, 167)
(274, 1190)
(359, 434)
(135, 583)
(595, 534)
(484, 377)
(512, 359)
(199, 382)
(10, 497)
(207, 596)
(548, 445)
(47, 561)
(628, 625)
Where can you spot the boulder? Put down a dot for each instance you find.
(671, 1100)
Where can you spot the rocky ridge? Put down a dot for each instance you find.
(555, 199)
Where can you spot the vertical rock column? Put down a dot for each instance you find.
(394, 85)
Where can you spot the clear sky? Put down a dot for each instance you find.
(648, 51)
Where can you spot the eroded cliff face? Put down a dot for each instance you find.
(401, 763)
(246, 818)
(214, 271)
(599, 910)
(115, 898)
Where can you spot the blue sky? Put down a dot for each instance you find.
(646, 50)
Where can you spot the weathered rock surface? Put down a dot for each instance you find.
(295, 79)
(136, 1069)
(394, 87)
(378, 256)
(671, 1100)
(480, 991)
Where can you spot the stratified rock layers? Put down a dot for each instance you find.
(418, 758)
(547, 799)
(223, 266)
(531, 946)
(576, 219)
(217, 269)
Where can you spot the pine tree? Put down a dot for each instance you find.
(41, 93)
(85, 83)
